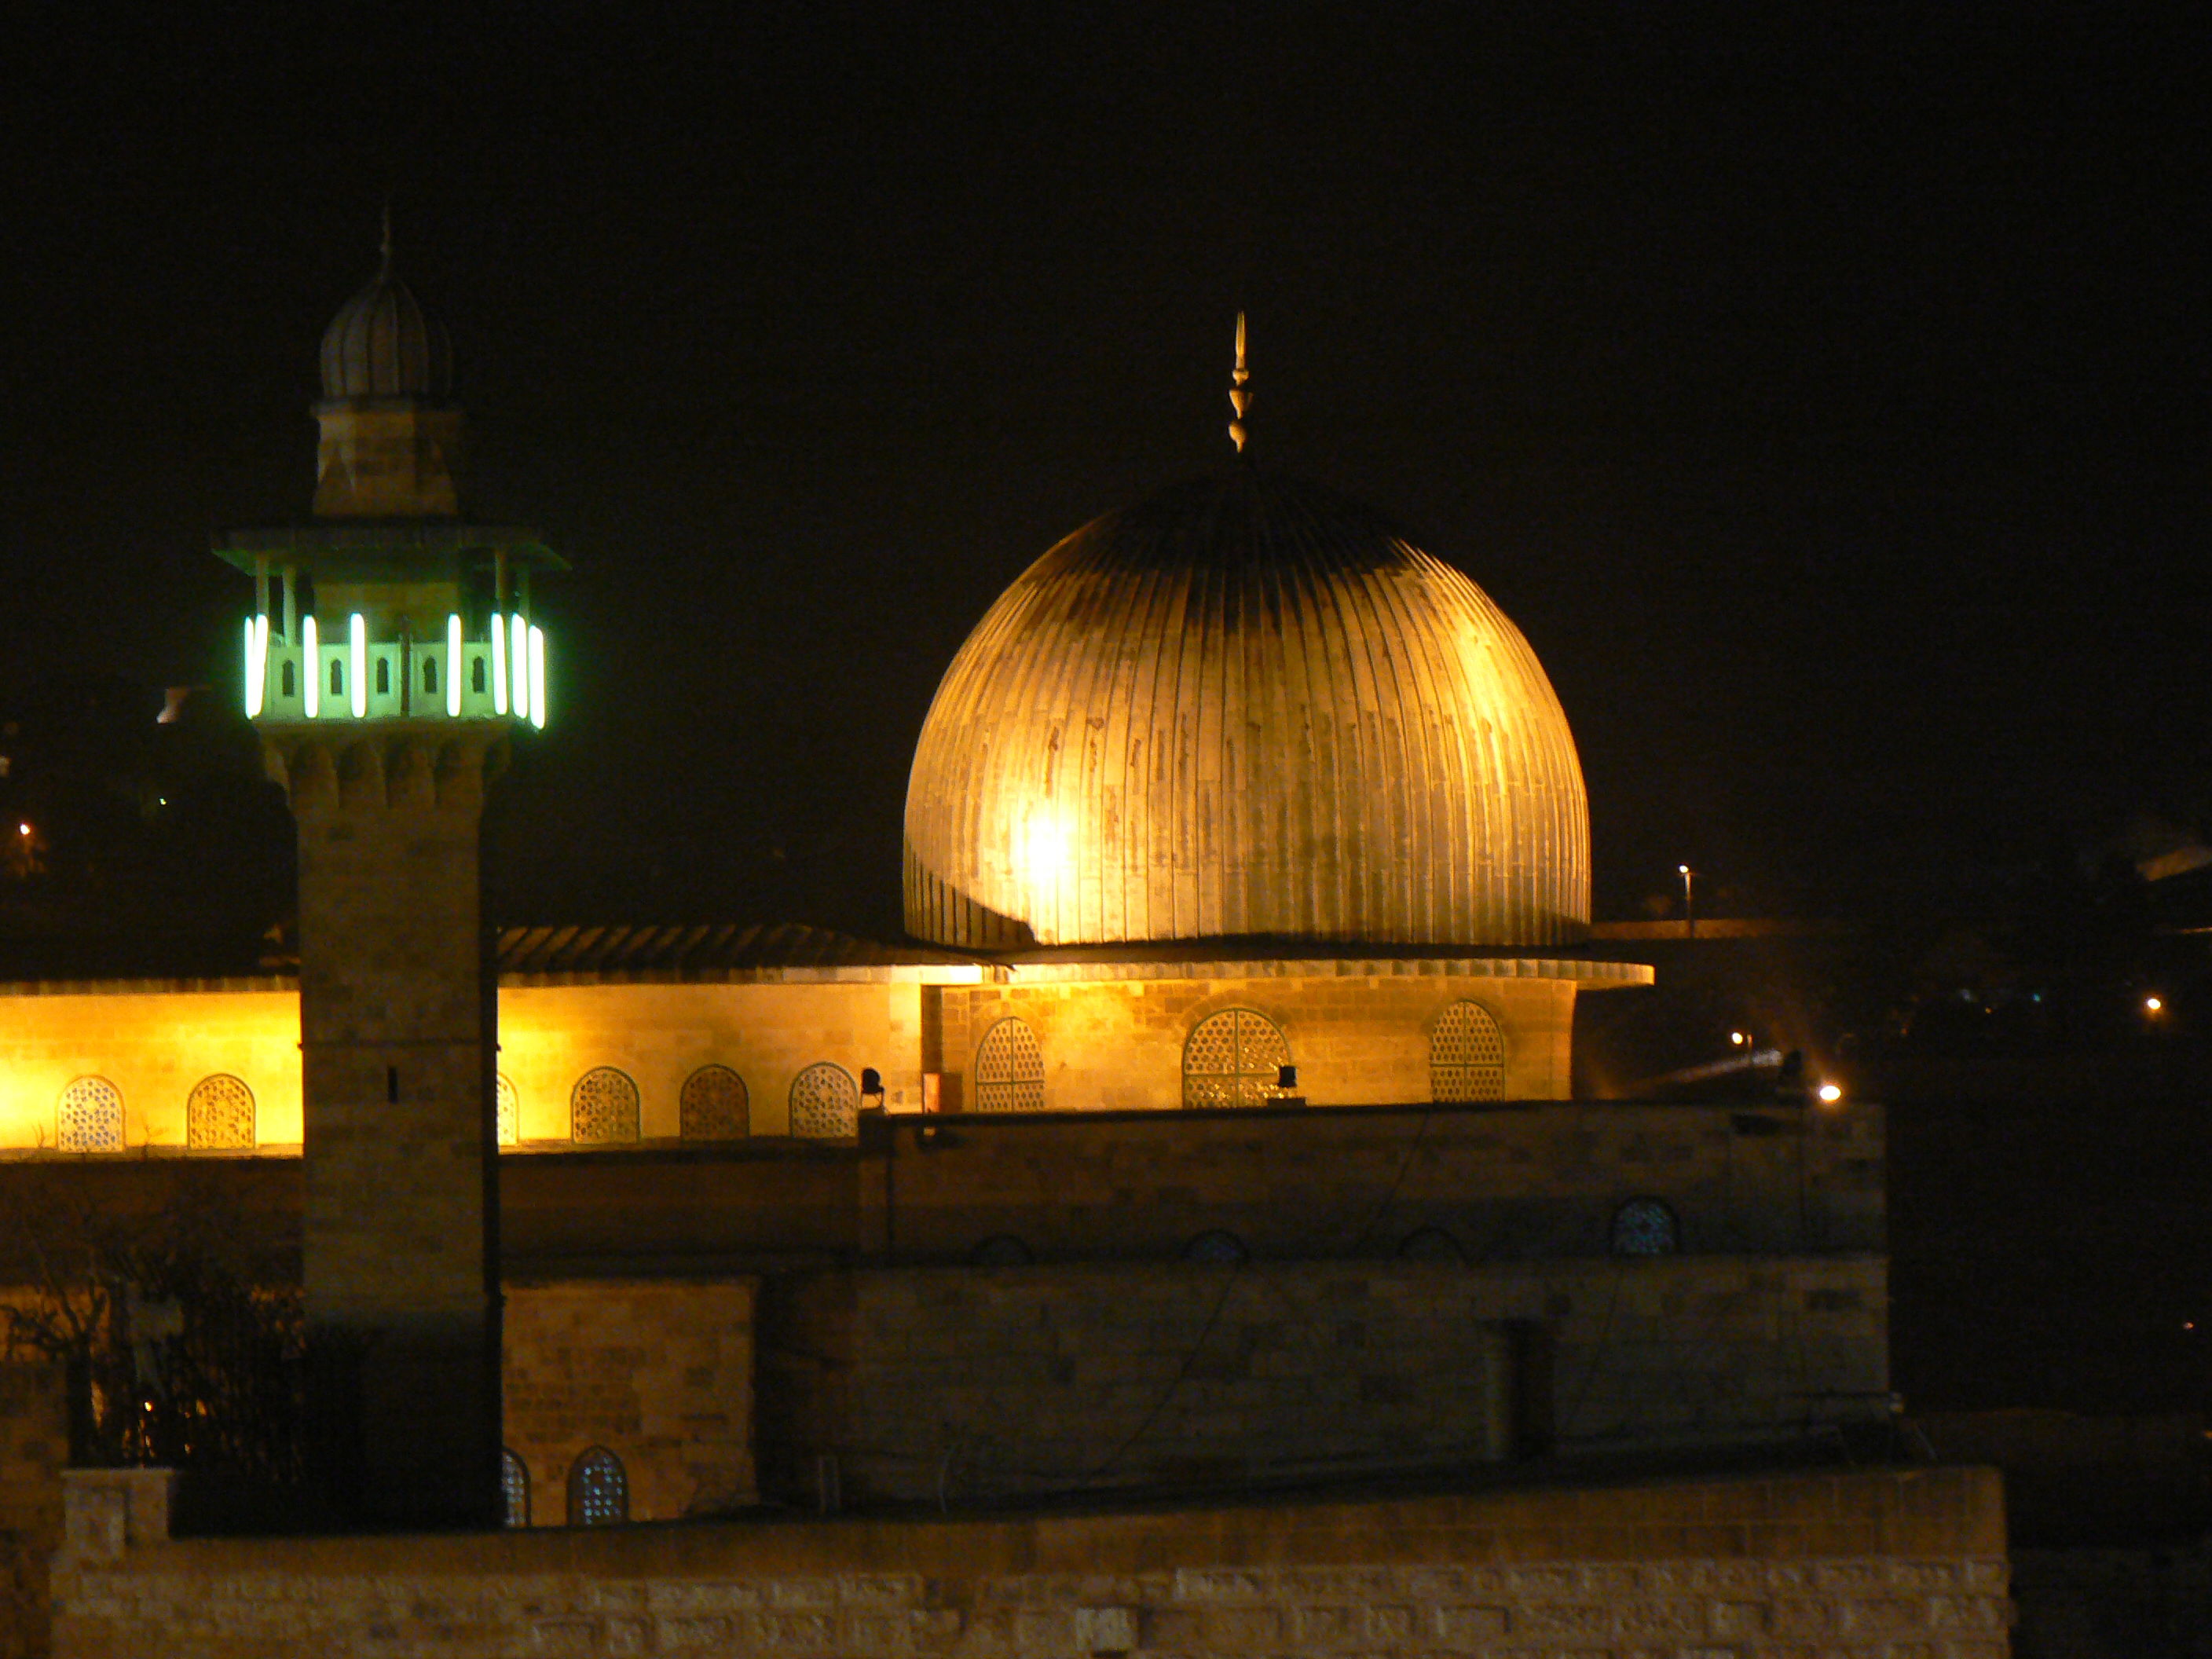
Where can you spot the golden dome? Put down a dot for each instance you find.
(1248, 708)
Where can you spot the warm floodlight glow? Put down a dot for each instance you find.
(2154, 1005)
(498, 665)
(358, 630)
(23, 830)
(1830, 1094)
(1047, 848)
(1738, 1038)
(519, 656)
(312, 659)
(537, 678)
(453, 666)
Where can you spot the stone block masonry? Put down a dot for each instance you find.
(964, 1383)
(1862, 1564)
(34, 1447)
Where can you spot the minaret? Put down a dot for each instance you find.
(390, 654)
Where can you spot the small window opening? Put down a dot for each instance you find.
(291, 684)
(391, 1084)
(477, 675)
(337, 679)
(429, 674)
(383, 678)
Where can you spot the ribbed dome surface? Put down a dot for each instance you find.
(381, 345)
(1247, 708)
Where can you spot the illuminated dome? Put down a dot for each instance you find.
(381, 345)
(1248, 707)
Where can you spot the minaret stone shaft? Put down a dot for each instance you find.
(385, 678)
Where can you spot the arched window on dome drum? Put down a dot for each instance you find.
(510, 1102)
(598, 1489)
(219, 1116)
(476, 675)
(1644, 1226)
(383, 678)
(430, 675)
(1008, 1069)
(714, 1105)
(1234, 1058)
(338, 678)
(89, 1117)
(825, 1103)
(603, 1108)
(514, 1484)
(1466, 1054)
(291, 685)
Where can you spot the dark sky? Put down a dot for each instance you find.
(1823, 390)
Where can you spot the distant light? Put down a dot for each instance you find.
(454, 665)
(22, 828)
(1738, 1038)
(1682, 869)
(360, 653)
(2152, 1005)
(1830, 1094)
(161, 800)
(313, 660)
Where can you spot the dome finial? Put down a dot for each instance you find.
(1239, 398)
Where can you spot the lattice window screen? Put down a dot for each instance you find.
(1234, 1058)
(1008, 1069)
(1466, 1056)
(714, 1105)
(603, 1108)
(825, 1103)
(598, 1489)
(1645, 1226)
(90, 1116)
(514, 1481)
(509, 1109)
(219, 1114)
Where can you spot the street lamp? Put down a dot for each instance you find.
(1689, 904)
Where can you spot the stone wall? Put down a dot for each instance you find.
(1515, 1180)
(660, 1375)
(33, 1449)
(154, 1039)
(950, 1384)
(1861, 1565)
(1355, 1039)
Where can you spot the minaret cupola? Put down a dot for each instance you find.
(391, 433)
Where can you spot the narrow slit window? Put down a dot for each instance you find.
(383, 678)
(430, 675)
(291, 683)
(337, 679)
(476, 675)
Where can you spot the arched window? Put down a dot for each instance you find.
(598, 1489)
(337, 677)
(514, 1481)
(825, 1103)
(219, 1113)
(1008, 1069)
(1216, 1248)
(477, 675)
(1644, 1226)
(383, 678)
(291, 684)
(603, 1108)
(430, 675)
(1234, 1058)
(509, 1109)
(1466, 1054)
(90, 1117)
(713, 1105)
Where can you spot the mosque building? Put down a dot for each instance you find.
(1212, 1127)
(1234, 796)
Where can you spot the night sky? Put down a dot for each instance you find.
(1824, 392)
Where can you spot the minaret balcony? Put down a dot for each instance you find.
(342, 675)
